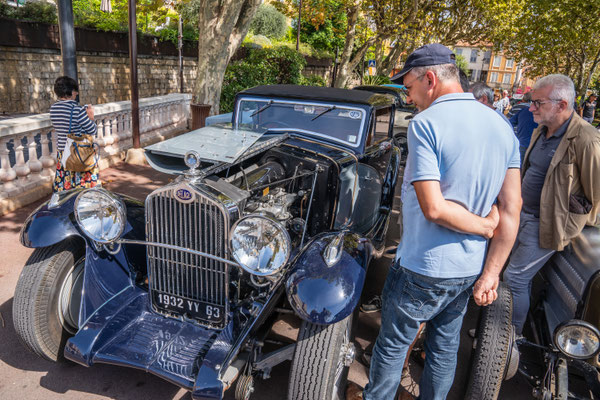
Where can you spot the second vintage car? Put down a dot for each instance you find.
(280, 213)
(559, 354)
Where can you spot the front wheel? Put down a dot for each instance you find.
(321, 361)
(47, 298)
(494, 343)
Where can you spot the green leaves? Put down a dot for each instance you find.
(557, 37)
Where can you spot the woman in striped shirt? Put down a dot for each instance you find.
(66, 111)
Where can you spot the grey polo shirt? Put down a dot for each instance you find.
(539, 160)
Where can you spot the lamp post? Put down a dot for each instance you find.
(135, 108)
(67, 38)
(180, 51)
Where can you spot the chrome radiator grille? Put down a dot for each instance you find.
(199, 224)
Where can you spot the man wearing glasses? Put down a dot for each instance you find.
(560, 188)
(462, 158)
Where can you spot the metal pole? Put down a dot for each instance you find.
(298, 27)
(180, 47)
(135, 108)
(67, 38)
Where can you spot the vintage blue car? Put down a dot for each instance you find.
(279, 213)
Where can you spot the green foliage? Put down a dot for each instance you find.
(262, 41)
(5, 9)
(149, 15)
(376, 80)
(266, 66)
(312, 80)
(323, 24)
(462, 63)
(269, 22)
(557, 37)
(305, 48)
(87, 14)
(325, 37)
(35, 11)
(170, 33)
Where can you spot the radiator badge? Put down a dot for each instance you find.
(184, 195)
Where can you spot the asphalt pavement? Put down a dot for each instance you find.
(24, 375)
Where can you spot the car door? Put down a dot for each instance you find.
(380, 165)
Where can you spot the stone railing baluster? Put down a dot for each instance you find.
(34, 164)
(114, 129)
(107, 127)
(47, 160)
(7, 173)
(100, 135)
(21, 168)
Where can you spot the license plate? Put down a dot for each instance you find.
(192, 308)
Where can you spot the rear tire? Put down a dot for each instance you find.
(47, 298)
(321, 361)
(494, 340)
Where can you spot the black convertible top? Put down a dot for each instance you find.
(318, 93)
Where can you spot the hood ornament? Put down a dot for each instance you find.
(192, 161)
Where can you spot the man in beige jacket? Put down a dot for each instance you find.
(560, 186)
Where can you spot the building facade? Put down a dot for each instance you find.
(494, 68)
(477, 58)
(502, 72)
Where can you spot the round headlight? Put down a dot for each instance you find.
(100, 214)
(260, 245)
(577, 339)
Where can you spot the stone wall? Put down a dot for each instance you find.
(27, 79)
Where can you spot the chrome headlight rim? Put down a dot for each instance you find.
(119, 204)
(579, 324)
(279, 226)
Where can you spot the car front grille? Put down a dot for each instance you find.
(200, 225)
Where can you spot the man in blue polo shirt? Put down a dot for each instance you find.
(463, 159)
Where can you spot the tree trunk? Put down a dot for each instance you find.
(344, 68)
(222, 25)
(359, 56)
(379, 50)
(590, 73)
(391, 60)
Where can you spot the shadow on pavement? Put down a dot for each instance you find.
(12, 351)
(12, 222)
(133, 180)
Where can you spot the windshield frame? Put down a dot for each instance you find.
(363, 110)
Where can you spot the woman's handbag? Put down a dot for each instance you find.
(81, 153)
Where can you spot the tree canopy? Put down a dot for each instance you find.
(557, 37)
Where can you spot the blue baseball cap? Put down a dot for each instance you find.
(430, 54)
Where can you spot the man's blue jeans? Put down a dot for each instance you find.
(408, 300)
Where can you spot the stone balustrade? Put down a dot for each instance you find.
(28, 144)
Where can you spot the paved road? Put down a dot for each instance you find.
(24, 375)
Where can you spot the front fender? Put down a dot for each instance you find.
(47, 226)
(322, 294)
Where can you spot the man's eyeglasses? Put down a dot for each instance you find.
(407, 88)
(538, 103)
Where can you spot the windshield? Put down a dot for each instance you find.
(340, 123)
